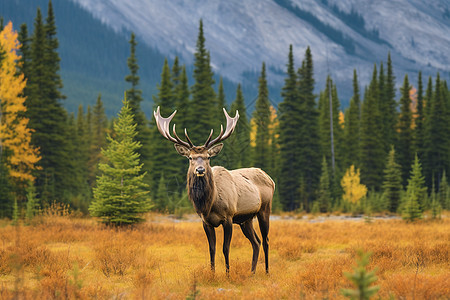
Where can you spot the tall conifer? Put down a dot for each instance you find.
(436, 156)
(371, 145)
(165, 160)
(204, 103)
(352, 122)
(420, 118)
(134, 96)
(405, 132)
(290, 118)
(120, 197)
(239, 145)
(46, 114)
(392, 184)
(261, 117)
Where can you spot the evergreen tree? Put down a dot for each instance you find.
(324, 195)
(420, 118)
(436, 157)
(324, 123)
(47, 117)
(161, 198)
(204, 103)
(308, 133)
(120, 197)
(371, 145)
(361, 279)
(392, 184)
(227, 159)
(221, 104)
(261, 117)
(416, 192)
(290, 117)
(181, 94)
(134, 96)
(24, 61)
(239, 143)
(444, 192)
(388, 107)
(99, 125)
(164, 159)
(405, 132)
(352, 128)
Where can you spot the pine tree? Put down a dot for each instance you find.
(261, 117)
(444, 192)
(392, 184)
(436, 158)
(324, 195)
(99, 125)
(352, 123)
(47, 117)
(307, 134)
(416, 192)
(239, 143)
(181, 94)
(389, 107)
(371, 145)
(134, 96)
(405, 132)
(361, 279)
(204, 102)
(120, 197)
(164, 159)
(290, 116)
(324, 123)
(221, 104)
(161, 198)
(24, 61)
(227, 159)
(420, 118)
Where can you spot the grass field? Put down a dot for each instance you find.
(68, 257)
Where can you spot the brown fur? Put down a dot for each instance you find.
(223, 197)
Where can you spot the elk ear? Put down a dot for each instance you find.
(214, 150)
(182, 150)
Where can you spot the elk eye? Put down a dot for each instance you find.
(190, 157)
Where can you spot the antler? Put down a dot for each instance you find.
(163, 127)
(231, 124)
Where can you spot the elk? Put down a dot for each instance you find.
(223, 197)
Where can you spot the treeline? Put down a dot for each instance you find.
(381, 154)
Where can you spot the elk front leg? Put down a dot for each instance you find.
(227, 233)
(211, 235)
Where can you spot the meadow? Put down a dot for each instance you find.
(61, 256)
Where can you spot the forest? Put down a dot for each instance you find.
(388, 152)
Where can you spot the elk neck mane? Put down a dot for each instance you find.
(201, 191)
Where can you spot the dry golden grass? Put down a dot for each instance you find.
(60, 256)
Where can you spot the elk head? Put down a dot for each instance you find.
(198, 155)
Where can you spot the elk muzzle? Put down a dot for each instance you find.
(200, 171)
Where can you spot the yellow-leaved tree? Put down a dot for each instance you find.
(15, 136)
(354, 191)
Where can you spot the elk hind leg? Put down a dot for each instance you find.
(263, 220)
(250, 234)
(227, 234)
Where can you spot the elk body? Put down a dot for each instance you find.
(223, 197)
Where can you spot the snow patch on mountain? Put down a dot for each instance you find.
(241, 34)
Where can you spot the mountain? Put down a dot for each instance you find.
(240, 35)
(343, 34)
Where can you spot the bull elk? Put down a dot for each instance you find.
(223, 197)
